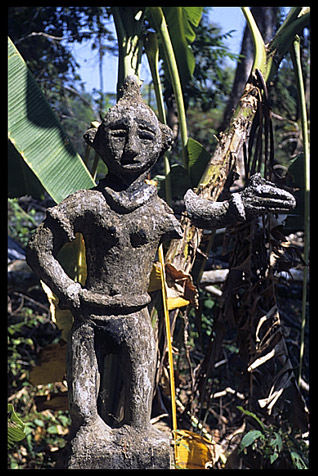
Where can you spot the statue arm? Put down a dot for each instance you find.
(210, 215)
(41, 256)
(259, 197)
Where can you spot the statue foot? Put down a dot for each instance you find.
(147, 433)
(96, 446)
(93, 433)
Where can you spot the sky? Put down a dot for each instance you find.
(227, 18)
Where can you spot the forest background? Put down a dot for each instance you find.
(44, 37)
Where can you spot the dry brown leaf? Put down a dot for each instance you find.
(180, 285)
(63, 318)
(155, 279)
(54, 401)
(52, 365)
(180, 288)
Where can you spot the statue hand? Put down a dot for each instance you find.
(71, 296)
(263, 196)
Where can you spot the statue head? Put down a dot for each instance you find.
(130, 138)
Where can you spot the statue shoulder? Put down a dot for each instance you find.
(66, 213)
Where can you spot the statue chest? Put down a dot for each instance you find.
(106, 229)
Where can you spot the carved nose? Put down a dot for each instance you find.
(131, 149)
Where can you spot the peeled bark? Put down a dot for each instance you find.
(265, 18)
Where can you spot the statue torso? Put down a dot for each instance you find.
(121, 237)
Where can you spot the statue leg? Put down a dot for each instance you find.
(126, 379)
(134, 444)
(131, 336)
(139, 356)
(82, 375)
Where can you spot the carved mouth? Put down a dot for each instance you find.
(131, 162)
(135, 165)
(129, 159)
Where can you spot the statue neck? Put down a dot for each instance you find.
(126, 198)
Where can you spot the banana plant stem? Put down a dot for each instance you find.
(162, 27)
(295, 53)
(130, 48)
(260, 61)
(152, 51)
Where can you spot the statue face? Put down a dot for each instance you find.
(130, 140)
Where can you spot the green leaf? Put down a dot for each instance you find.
(16, 430)
(37, 137)
(297, 19)
(180, 182)
(181, 22)
(250, 437)
(248, 413)
(273, 457)
(157, 19)
(21, 179)
(260, 60)
(38, 422)
(198, 158)
(277, 442)
(298, 462)
(53, 430)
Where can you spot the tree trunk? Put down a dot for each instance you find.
(265, 18)
(181, 253)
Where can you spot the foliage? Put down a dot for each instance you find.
(76, 113)
(29, 330)
(206, 93)
(15, 427)
(44, 36)
(272, 444)
(20, 223)
(198, 337)
(45, 433)
(129, 28)
(284, 102)
(33, 126)
(182, 23)
(210, 84)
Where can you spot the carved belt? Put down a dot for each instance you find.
(98, 303)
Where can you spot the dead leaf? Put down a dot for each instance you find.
(180, 284)
(63, 318)
(180, 288)
(155, 279)
(52, 365)
(193, 451)
(53, 401)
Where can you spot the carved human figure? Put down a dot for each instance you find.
(123, 221)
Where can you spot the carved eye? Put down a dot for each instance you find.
(146, 135)
(119, 134)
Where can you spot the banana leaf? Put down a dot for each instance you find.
(198, 160)
(21, 179)
(37, 139)
(16, 431)
(181, 22)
